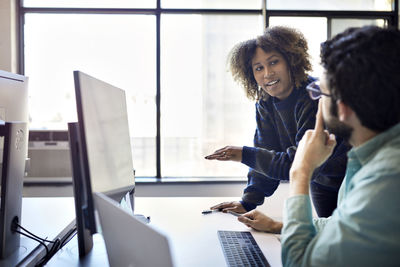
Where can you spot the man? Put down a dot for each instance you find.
(360, 101)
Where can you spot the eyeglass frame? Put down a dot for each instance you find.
(314, 87)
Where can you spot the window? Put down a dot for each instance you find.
(314, 30)
(201, 108)
(212, 4)
(90, 3)
(337, 5)
(118, 49)
(339, 25)
(170, 57)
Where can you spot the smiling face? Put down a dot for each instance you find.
(272, 73)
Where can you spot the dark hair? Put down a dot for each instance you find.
(363, 71)
(287, 41)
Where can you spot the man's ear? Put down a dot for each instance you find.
(344, 111)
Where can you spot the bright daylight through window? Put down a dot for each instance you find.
(201, 107)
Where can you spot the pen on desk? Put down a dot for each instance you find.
(228, 211)
(210, 211)
(234, 213)
(207, 211)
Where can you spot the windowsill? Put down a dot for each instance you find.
(189, 180)
(66, 181)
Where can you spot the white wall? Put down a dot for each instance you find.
(8, 36)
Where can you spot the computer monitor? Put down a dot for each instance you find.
(13, 100)
(100, 151)
(12, 176)
(13, 151)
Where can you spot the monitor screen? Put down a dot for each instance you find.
(13, 97)
(103, 122)
(101, 153)
(13, 100)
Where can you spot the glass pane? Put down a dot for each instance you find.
(365, 5)
(339, 25)
(314, 30)
(212, 4)
(91, 3)
(202, 108)
(118, 49)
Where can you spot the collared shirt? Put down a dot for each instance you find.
(364, 230)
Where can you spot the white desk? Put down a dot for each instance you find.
(46, 218)
(193, 236)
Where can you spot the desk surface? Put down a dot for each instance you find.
(192, 235)
(46, 218)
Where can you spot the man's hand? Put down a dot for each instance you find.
(228, 153)
(314, 149)
(231, 206)
(259, 221)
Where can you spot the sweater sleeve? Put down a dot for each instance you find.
(259, 185)
(276, 164)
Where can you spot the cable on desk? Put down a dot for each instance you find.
(51, 253)
(28, 234)
(33, 238)
(43, 239)
(58, 244)
(68, 236)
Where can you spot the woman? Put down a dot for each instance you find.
(273, 71)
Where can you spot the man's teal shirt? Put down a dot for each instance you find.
(364, 230)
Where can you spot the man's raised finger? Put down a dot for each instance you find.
(319, 122)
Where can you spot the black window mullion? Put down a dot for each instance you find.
(158, 93)
(395, 21)
(265, 14)
(329, 28)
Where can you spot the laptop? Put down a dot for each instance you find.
(129, 241)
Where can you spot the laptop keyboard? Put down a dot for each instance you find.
(240, 249)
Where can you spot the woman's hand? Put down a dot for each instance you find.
(228, 153)
(230, 206)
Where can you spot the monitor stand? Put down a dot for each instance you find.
(12, 175)
(84, 219)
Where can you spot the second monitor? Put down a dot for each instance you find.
(100, 151)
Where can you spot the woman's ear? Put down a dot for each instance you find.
(344, 111)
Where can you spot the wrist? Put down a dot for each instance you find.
(301, 172)
(247, 206)
(299, 188)
(277, 227)
(299, 181)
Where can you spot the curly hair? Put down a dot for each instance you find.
(363, 70)
(289, 42)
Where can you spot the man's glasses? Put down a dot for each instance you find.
(315, 91)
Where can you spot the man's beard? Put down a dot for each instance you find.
(333, 125)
